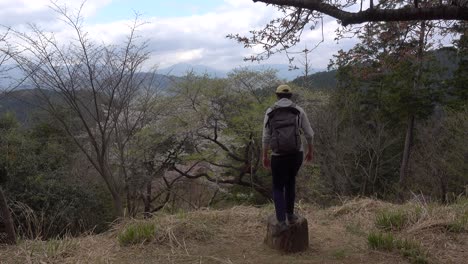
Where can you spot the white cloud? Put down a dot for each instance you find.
(23, 6)
(189, 55)
(17, 12)
(198, 39)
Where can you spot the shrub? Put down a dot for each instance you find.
(53, 209)
(59, 247)
(391, 220)
(137, 233)
(407, 248)
(411, 250)
(380, 241)
(459, 225)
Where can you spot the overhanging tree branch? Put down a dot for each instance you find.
(373, 14)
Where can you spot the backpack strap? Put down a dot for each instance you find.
(273, 108)
(268, 115)
(293, 105)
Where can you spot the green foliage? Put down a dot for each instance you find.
(460, 224)
(318, 81)
(381, 241)
(391, 96)
(59, 247)
(48, 209)
(340, 254)
(391, 77)
(391, 220)
(458, 89)
(8, 122)
(407, 248)
(46, 200)
(411, 250)
(461, 204)
(137, 233)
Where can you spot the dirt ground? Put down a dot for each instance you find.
(337, 235)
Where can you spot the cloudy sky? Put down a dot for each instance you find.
(179, 31)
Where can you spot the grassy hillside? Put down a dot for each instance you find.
(359, 231)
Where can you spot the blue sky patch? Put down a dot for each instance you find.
(125, 9)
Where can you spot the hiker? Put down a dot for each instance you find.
(283, 124)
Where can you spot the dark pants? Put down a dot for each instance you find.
(284, 170)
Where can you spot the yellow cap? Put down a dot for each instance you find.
(284, 89)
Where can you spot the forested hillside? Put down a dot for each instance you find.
(318, 81)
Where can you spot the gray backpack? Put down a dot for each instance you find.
(284, 128)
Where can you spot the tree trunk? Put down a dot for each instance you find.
(117, 201)
(443, 188)
(118, 205)
(6, 220)
(406, 155)
(130, 211)
(410, 128)
(147, 200)
(113, 188)
(294, 239)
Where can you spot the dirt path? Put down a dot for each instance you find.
(241, 241)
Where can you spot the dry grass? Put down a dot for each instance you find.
(89, 249)
(337, 235)
(432, 225)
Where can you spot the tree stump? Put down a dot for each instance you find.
(294, 239)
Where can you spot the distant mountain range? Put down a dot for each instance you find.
(24, 102)
(181, 69)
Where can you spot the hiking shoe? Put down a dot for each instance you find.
(281, 228)
(292, 218)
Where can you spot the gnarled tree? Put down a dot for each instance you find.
(224, 117)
